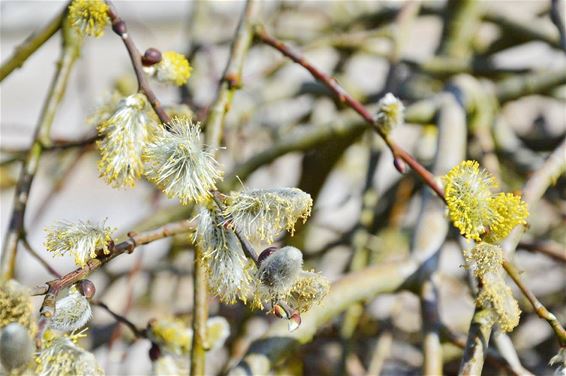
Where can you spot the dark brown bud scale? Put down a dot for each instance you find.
(266, 253)
(151, 57)
(119, 27)
(86, 288)
(154, 352)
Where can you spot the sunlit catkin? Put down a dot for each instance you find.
(497, 296)
(508, 210)
(89, 17)
(177, 163)
(172, 336)
(124, 137)
(228, 270)
(261, 214)
(279, 271)
(468, 192)
(173, 69)
(81, 239)
(15, 305)
(308, 290)
(71, 312)
(390, 113)
(63, 357)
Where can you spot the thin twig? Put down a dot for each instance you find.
(120, 28)
(139, 333)
(40, 259)
(539, 308)
(553, 250)
(70, 53)
(344, 97)
(31, 44)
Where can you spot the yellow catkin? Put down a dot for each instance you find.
(89, 17)
(15, 305)
(497, 296)
(508, 210)
(468, 191)
(309, 290)
(174, 68)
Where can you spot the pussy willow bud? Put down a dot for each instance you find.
(173, 68)
(217, 330)
(16, 346)
(294, 321)
(390, 113)
(71, 312)
(172, 336)
(279, 271)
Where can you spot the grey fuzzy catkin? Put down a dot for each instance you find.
(279, 271)
(16, 346)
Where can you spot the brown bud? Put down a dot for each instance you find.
(119, 27)
(151, 57)
(86, 288)
(266, 253)
(400, 165)
(154, 352)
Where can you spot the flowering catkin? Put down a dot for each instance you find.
(124, 137)
(178, 164)
(71, 312)
(228, 270)
(81, 239)
(173, 68)
(63, 357)
(468, 190)
(89, 17)
(15, 305)
(172, 336)
(308, 290)
(261, 214)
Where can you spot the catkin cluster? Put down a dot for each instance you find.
(487, 218)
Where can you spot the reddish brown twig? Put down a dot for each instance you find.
(347, 99)
(120, 28)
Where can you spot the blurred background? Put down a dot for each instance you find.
(510, 54)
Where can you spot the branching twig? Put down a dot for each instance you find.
(31, 44)
(70, 53)
(540, 309)
(344, 97)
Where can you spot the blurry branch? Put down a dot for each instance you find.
(508, 352)
(40, 259)
(398, 153)
(557, 19)
(71, 44)
(460, 22)
(540, 309)
(52, 288)
(477, 342)
(381, 352)
(54, 145)
(139, 333)
(550, 249)
(491, 356)
(31, 44)
(232, 77)
(516, 32)
(278, 341)
(529, 84)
